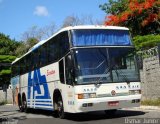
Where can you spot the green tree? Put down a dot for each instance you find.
(7, 55)
(114, 7)
(7, 46)
(146, 42)
(5, 68)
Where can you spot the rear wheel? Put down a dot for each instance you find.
(20, 103)
(24, 104)
(60, 108)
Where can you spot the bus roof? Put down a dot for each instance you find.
(72, 28)
(93, 27)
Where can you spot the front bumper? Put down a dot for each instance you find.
(97, 104)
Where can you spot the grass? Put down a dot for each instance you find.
(3, 102)
(148, 102)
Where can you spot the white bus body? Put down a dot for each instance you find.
(49, 86)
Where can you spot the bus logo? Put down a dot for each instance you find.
(113, 92)
(38, 84)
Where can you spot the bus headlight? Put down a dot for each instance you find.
(134, 92)
(86, 95)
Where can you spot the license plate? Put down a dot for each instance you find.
(114, 103)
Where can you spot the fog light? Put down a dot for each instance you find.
(133, 101)
(90, 104)
(137, 100)
(87, 104)
(84, 105)
(134, 92)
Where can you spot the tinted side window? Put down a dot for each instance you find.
(53, 50)
(22, 66)
(28, 63)
(43, 55)
(15, 69)
(63, 43)
(36, 59)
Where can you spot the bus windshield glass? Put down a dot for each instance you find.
(106, 65)
(100, 37)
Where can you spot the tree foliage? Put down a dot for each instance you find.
(5, 69)
(7, 46)
(6, 58)
(146, 42)
(141, 16)
(7, 55)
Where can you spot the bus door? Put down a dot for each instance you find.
(69, 81)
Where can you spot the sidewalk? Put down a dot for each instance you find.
(142, 107)
(150, 107)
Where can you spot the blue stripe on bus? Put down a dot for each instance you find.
(44, 104)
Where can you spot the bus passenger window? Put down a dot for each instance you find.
(43, 56)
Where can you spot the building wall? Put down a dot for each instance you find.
(6, 96)
(150, 78)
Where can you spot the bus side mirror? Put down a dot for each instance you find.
(70, 74)
(70, 63)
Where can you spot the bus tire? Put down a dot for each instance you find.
(60, 108)
(20, 103)
(24, 103)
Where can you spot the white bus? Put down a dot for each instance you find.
(79, 69)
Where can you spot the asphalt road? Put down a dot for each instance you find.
(10, 115)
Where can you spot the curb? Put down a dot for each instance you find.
(142, 107)
(9, 104)
(150, 107)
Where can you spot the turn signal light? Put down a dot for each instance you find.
(86, 95)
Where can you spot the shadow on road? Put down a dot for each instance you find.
(101, 115)
(91, 116)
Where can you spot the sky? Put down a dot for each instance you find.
(17, 16)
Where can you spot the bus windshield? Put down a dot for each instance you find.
(107, 65)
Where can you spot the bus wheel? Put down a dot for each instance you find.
(110, 112)
(24, 104)
(60, 108)
(20, 104)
